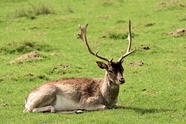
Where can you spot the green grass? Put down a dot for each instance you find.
(154, 93)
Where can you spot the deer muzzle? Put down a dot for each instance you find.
(122, 80)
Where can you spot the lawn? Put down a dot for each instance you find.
(155, 88)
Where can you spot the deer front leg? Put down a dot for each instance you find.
(100, 107)
(96, 107)
(93, 103)
(71, 112)
(114, 104)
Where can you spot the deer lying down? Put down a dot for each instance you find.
(78, 94)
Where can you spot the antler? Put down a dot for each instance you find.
(84, 39)
(129, 45)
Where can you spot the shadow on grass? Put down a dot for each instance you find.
(144, 110)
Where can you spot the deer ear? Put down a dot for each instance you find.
(102, 65)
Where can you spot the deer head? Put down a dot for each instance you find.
(114, 69)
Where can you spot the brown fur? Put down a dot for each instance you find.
(76, 94)
(86, 93)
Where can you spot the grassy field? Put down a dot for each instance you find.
(155, 88)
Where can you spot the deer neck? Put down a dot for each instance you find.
(109, 90)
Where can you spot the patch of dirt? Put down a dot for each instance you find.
(181, 32)
(172, 2)
(145, 47)
(120, 21)
(150, 24)
(138, 63)
(29, 75)
(32, 55)
(59, 67)
(3, 105)
(149, 91)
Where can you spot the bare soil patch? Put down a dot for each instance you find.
(137, 63)
(172, 2)
(3, 105)
(145, 47)
(32, 55)
(180, 32)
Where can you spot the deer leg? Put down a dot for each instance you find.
(71, 112)
(92, 103)
(114, 104)
(52, 110)
(44, 109)
(79, 111)
(100, 107)
(40, 102)
(95, 107)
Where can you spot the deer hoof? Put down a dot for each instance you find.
(79, 112)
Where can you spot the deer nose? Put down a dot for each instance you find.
(122, 80)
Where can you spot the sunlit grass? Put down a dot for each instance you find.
(154, 92)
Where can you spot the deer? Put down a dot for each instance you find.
(76, 95)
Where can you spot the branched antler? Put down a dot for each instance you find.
(129, 45)
(84, 39)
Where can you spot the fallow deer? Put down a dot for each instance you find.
(79, 94)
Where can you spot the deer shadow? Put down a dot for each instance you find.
(143, 110)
